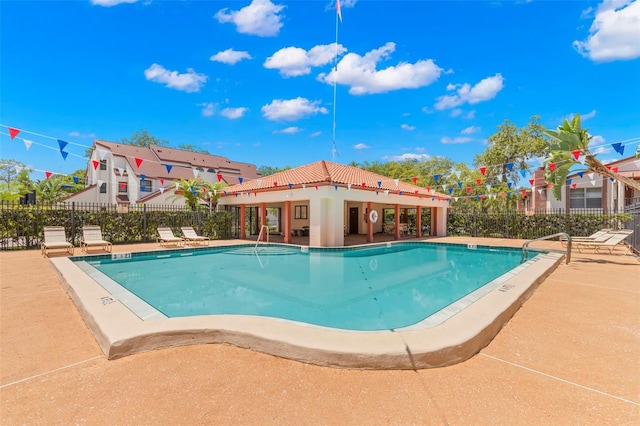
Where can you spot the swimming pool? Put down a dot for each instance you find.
(365, 288)
(124, 323)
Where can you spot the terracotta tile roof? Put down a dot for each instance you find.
(155, 159)
(323, 173)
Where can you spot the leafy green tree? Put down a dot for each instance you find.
(198, 191)
(14, 180)
(513, 146)
(50, 190)
(192, 148)
(143, 139)
(268, 170)
(567, 140)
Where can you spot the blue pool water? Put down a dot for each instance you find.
(381, 288)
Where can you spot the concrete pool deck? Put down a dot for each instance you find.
(570, 355)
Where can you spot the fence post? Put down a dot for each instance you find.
(73, 223)
(144, 222)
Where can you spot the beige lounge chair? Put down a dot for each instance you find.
(599, 236)
(166, 237)
(191, 237)
(616, 237)
(92, 237)
(55, 238)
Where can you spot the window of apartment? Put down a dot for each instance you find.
(585, 198)
(103, 188)
(103, 164)
(145, 185)
(123, 187)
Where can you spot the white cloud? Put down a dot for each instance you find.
(189, 82)
(407, 127)
(230, 56)
(596, 140)
(361, 146)
(294, 61)
(289, 130)
(208, 109)
(315, 134)
(75, 134)
(361, 74)
(470, 130)
(456, 112)
(471, 114)
(233, 113)
(261, 18)
(486, 89)
(292, 109)
(405, 157)
(109, 3)
(457, 140)
(614, 33)
(588, 115)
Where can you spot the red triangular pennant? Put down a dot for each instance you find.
(574, 185)
(415, 180)
(576, 153)
(13, 132)
(614, 170)
(47, 174)
(468, 190)
(95, 163)
(219, 177)
(478, 181)
(483, 170)
(275, 183)
(531, 181)
(162, 182)
(552, 167)
(138, 161)
(123, 185)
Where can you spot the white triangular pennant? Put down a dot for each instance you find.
(540, 191)
(593, 183)
(27, 143)
(396, 181)
(121, 171)
(259, 181)
(304, 186)
(488, 187)
(161, 190)
(177, 185)
(215, 192)
(455, 198)
(18, 168)
(386, 192)
(500, 178)
(348, 187)
(102, 153)
(457, 173)
(195, 172)
(100, 182)
(591, 176)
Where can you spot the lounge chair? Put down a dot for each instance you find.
(616, 237)
(55, 238)
(166, 237)
(599, 236)
(92, 237)
(191, 237)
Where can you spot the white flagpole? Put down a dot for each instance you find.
(334, 150)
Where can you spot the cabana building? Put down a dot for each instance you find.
(327, 201)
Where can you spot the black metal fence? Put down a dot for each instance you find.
(21, 226)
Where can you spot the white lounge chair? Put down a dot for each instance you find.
(599, 236)
(92, 237)
(166, 237)
(617, 237)
(191, 237)
(55, 238)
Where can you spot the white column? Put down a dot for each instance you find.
(620, 196)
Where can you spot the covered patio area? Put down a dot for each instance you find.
(324, 204)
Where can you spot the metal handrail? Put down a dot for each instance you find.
(525, 246)
(262, 228)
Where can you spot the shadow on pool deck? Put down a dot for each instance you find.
(568, 356)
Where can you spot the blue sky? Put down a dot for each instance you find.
(253, 80)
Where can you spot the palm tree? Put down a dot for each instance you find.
(569, 141)
(197, 191)
(51, 191)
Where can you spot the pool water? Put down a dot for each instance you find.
(380, 288)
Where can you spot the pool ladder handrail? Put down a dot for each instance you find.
(525, 246)
(262, 228)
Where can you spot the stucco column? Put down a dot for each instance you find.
(434, 221)
(620, 196)
(287, 222)
(243, 220)
(263, 220)
(369, 223)
(418, 221)
(397, 219)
